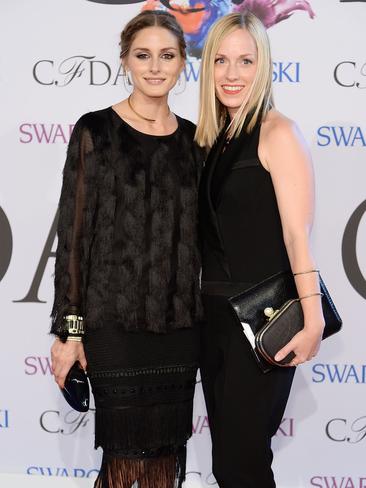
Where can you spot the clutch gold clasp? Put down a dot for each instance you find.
(270, 313)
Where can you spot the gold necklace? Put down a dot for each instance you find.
(139, 115)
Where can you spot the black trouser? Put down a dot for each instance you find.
(244, 405)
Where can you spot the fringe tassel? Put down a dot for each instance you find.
(162, 472)
(181, 462)
(135, 428)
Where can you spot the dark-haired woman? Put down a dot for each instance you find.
(127, 264)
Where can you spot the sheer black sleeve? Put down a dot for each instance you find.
(71, 229)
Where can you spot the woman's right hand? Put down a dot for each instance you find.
(63, 356)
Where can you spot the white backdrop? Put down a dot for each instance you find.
(320, 81)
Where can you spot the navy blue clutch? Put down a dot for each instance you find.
(76, 390)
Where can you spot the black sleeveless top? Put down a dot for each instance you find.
(240, 226)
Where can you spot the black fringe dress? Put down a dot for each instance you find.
(127, 259)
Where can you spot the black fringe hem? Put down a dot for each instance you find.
(133, 429)
(167, 471)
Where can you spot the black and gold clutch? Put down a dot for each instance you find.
(270, 315)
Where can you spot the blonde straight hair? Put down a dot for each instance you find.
(212, 113)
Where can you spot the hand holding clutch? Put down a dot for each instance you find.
(76, 389)
(270, 315)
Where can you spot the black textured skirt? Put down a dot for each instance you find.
(143, 385)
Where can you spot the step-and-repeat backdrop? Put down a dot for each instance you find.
(60, 59)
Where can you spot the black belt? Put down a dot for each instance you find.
(224, 288)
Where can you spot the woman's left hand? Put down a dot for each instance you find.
(305, 345)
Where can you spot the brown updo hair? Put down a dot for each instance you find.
(151, 18)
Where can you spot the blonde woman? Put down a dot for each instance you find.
(256, 207)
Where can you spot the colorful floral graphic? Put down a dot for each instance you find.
(197, 16)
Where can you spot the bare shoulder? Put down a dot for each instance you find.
(280, 138)
(277, 126)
